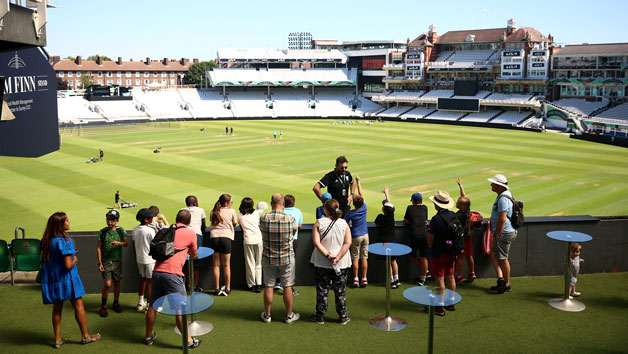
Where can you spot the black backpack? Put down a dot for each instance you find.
(162, 245)
(454, 244)
(517, 218)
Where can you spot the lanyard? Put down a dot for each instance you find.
(342, 180)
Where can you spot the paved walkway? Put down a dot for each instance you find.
(20, 278)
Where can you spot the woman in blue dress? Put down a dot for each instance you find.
(60, 280)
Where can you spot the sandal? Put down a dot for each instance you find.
(92, 338)
(58, 344)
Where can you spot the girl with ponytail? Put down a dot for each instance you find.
(464, 215)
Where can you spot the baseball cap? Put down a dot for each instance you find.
(416, 197)
(325, 196)
(261, 206)
(145, 213)
(113, 214)
(386, 203)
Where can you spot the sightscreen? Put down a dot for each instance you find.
(459, 104)
(465, 87)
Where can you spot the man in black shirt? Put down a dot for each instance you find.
(416, 219)
(339, 184)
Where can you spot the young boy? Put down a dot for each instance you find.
(197, 224)
(111, 239)
(319, 210)
(416, 219)
(143, 234)
(159, 221)
(386, 226)
(359, 237)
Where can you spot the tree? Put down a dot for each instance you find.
(70, 58)
(61, 85)
(86, 82)
(94, 57)
(197, 71)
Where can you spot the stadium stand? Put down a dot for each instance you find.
(417, 113)
(244, 77)
(119, 110)
(162, 104)
(511, 117)
(480, 117)
(332, 102)
(580, 106)
(508, 98)
(249, 104)
(204, 103)
(365, 106)
(619, 112)
(446, 115)
(480, 94)
(394, 112)
(75, 108)
(290, 102)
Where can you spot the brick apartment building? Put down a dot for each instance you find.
(148, 73)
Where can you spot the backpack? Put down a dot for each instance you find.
(454, 244)
(103, 234)
(517, 218)
(476, 220)
(162, 245)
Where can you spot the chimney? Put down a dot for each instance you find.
(431, 33)
(195, 60)
(165, 61)
(119, 61)
(184, 61)
(99, 60)
(78, 60)
(148, 61)
(55, 59)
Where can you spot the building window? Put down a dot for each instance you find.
(119, 82)
(156, 81)
(146, 82)
(119, 74)
(109, 74)
(99, 82)
(128, 73)
(164, 74)
(89, 73)
(109, 82)
(164, 82)
(155, 74)
(70, 83)
(137, 73)
(100, 74)
(61, 74)
(70, 74)
(146, 73)
(172, 74)
(138, 82)
(171, 81)
(128, 82)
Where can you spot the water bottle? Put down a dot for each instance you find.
(337, 269)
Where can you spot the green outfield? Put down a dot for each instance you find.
(552, 174)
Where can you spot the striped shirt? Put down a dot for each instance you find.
(277, 229)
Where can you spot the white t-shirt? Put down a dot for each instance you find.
(198, 214)
(333, 242)
(250, 228)
(142, 235)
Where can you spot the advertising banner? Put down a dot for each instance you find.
(30, 92)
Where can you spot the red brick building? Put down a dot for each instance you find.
(148, 73)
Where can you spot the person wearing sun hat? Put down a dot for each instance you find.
(503, 232)
(441, 262)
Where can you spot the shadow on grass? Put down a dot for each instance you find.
(17, 337)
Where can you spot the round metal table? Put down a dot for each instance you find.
(565, 303)
(177, 304)
(431, 297)
(197, 328)
(388, 249)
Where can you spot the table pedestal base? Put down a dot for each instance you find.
(388, 323)
(197, 328)
(569, 305)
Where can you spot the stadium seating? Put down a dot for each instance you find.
(205, 103)
(504, 98)
(511, 117)
(76, 108)
(480, 94)
(417, 113)
(446, 115)
(619, 112)
(580, 106)
(119, 110)
(480, 117)
(290, 102)
(334, 102)
(249, 104)
(162, 104)
(237, 75)
(395, 111)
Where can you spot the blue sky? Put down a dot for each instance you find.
(196, 29)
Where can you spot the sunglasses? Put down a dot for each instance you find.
(343, 167)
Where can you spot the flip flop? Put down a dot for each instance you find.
(58, 344)
(92, 338)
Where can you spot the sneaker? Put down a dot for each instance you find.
(344, 320)
(141, 307)
(356, 283)
(117, 308)
(501, 283)
(295, 292)
(317, 319)
(151, 339)
(439, 311)
(278, 286)
(507, 289)
(393, 285)
(103, 311)
(293, 317)
(364, 283)
(418, 281)
(398, 283)
(221, 291)
(195, 343)
(471, 278)
(574, 294)
(226, 292)
(258, 288)
(251, 288)
(198, 289)
(450, 308)
(459, 279)
(265, 318)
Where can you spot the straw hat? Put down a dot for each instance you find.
(499, 180)
(443, 200)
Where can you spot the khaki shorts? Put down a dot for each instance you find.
(286, 274)
(358, 247)
(113, 271)
(146, 270)
(501, 245)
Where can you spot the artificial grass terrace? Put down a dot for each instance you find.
(552, 174)
(516, 322)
